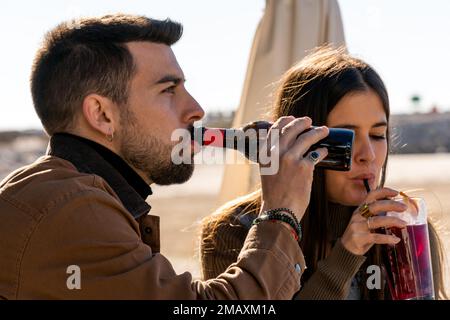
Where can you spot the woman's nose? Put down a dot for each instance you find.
(364, 152)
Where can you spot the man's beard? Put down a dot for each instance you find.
(150, 156)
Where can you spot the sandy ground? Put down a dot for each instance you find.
(181, 207)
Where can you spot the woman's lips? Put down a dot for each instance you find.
(359, 180)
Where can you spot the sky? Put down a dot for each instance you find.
(407, 41)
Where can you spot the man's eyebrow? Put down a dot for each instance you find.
(351, 126)
(169, 78)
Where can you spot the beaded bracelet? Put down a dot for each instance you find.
(285, 210)
(288, 218)
(284, 215)
(297, 229)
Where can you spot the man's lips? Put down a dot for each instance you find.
(196, 147)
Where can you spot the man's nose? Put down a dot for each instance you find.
(194, 112)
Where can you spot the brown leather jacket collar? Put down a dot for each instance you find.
(87, 157)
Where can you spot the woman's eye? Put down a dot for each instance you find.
(378, 137)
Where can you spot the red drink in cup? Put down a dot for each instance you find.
(408, 263)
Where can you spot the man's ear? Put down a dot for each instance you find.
(100, 114)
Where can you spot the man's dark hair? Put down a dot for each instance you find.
(89, 55)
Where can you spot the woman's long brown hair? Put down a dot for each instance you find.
(312, 88)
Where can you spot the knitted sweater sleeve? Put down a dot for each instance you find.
(332, 279)
(220, 249)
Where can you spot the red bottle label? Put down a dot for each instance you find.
(214, 137)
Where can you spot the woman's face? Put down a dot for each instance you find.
(362, 112)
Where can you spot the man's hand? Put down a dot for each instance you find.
(290, 187)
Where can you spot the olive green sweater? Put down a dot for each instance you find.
(334, 274)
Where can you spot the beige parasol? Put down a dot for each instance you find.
(285, 34)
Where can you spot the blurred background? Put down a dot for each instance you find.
(405, 40)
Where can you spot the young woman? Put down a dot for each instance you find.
(336, 90)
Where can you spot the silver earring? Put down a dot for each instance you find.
(110, 136)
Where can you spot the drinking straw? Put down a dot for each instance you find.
(366, 184)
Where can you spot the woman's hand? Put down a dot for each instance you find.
(290, 185)
(358, 238)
